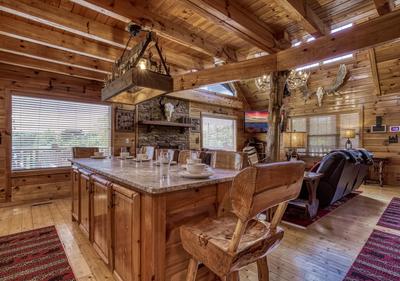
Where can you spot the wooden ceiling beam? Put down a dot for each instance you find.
(131, 11)
(362, 36)
(22, 30)
(305, 17)
(23, 61)
(230, 15)
(43, 13)
(41, 52)
(384, 6)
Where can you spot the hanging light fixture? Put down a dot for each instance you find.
(134, 78)
(263, 82)
(297, 79)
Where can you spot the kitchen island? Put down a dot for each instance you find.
(132, 214)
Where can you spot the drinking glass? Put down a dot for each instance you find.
(165, 161)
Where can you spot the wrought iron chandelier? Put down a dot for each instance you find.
(136, 78)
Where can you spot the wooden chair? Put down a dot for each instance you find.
(172, 152)
(227, 160)
(84, 152)
(186, 154)
(237, 237)
(149, 150)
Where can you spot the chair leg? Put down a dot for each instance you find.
(263, 271)
(192, 270)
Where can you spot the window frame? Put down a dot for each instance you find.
(338, 139)
(59, 99)
(219, 116)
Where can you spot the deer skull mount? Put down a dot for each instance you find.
(168, 108)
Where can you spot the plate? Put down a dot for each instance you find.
(127, 157)
(98, 157)
(143, 160)
(172, 163)
(203, 175)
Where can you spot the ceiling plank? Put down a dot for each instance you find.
(129, 11)
(238, 20)
(22, 30)
(41, 52)
(23, 61)
(368, 34)
(384, 6)
(59, 18)
(305, 16)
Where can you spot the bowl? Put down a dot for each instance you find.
(196, 168)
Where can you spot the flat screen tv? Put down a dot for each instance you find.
(256, 121)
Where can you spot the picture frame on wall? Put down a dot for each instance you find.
(195, 125)
(124, 120)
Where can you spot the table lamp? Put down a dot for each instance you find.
(292, 141)
(349, 134)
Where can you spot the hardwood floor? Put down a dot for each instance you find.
(323, 251)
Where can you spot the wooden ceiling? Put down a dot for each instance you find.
(83, 37)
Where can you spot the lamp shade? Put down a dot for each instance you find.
(349, 133)
(295, 139)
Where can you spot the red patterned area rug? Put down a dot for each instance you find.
(35, 255)
(296, 216)
(378, 260)
(391, 216)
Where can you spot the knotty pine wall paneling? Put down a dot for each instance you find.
(359, 94)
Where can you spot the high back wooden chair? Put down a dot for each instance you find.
(227, 160)
(149, 150)
(172, 152)
(84, 152)
(237, 237)
(186, 154)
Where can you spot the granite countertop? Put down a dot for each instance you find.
(146, 176)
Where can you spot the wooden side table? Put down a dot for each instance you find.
(311, 205)
(376, 171)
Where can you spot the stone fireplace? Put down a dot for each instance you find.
(163, 136)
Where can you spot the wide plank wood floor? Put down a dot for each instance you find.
(323, 251)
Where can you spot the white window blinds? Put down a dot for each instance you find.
(324, 131)
(44, 130)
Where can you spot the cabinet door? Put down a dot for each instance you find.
(126, 234)
(75, 193)
(101, 217)
(84, 179)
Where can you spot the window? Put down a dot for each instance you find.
(224, 89)
(324, 131)
(218, 133)
(45, 130)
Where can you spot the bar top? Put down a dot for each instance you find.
(146, 176)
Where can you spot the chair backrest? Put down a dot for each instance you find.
(84, 152)
(227, 160)
(256, 189)
(173, 153)
(251, 155)
(149, 150)
(184, 155)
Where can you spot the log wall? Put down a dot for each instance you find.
(361, 94)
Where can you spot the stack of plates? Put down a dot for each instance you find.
(203, 175)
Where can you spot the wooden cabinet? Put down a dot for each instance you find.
(101, 217)
(126, 234)
(75, 194)
(85, 188)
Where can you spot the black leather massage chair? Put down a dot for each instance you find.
(344, 171)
